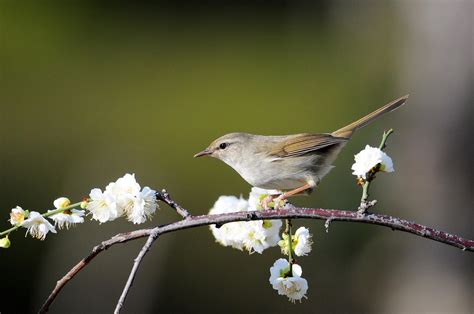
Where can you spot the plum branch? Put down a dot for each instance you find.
(290, 212)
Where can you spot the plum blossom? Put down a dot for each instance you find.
(37, 226)
(367, 159)
(102, 205)
(288, 282)
(300, 242)
(230, 234)
(17, 216)
(144, 205)
(68, 218)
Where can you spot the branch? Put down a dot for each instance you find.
(119, 238)
(164, 196)
(365, 204)
(290, 213)
(146, 247)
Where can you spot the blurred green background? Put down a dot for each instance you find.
(90, 90)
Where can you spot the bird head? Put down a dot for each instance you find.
(227, 148)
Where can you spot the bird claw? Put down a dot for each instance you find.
(279, 202)
(266, 202)
(272, 202)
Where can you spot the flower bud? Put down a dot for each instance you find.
(283, 244)
(84, 203)
(17, 216)
(5, 243)
(267, 224)
(62, 202)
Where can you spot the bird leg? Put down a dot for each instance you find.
(287, 194)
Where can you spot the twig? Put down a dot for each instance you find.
(290, 213)
(164, 196)
(119, 238)
(291, 260)
(327, 223)
(146, 247)
(365, 204)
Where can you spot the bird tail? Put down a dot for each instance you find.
(348, 130)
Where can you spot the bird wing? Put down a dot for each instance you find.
(302, 144)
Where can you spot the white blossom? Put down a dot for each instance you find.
(62, 202)
(102, 205)
(124, 185)
(144, 205)
(368, 158)
(124, 191)
(17, 216)
(38, 227)
(287, 283)
(261, 234)
(68, 218)
(280, 268)
(302, 242)
(230, 234)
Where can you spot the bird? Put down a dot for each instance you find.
(292, 164)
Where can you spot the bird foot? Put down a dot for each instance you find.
(279, 202)
(266, 202)
(273, 202)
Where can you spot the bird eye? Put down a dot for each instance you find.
(223, 145)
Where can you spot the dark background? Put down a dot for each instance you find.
(91, 90)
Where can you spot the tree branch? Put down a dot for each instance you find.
(290, 213)
(146, 247)
(164, 196)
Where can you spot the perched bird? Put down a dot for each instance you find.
(293, 164)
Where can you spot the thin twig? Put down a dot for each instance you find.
(146, 247)
(365, 204)
(291, 260)
(293, 213)
(119, 238)
(164, 196)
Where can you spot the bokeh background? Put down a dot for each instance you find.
(91, 90)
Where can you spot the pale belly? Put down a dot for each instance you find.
(281, 184)
(279, 177)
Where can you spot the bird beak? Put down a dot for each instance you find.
(205, 152)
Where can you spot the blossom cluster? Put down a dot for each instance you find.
(258, 235)
(253, 236)
(123, 197)
(286, 279)
(38, 226)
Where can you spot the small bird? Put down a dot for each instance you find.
(293, 164)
